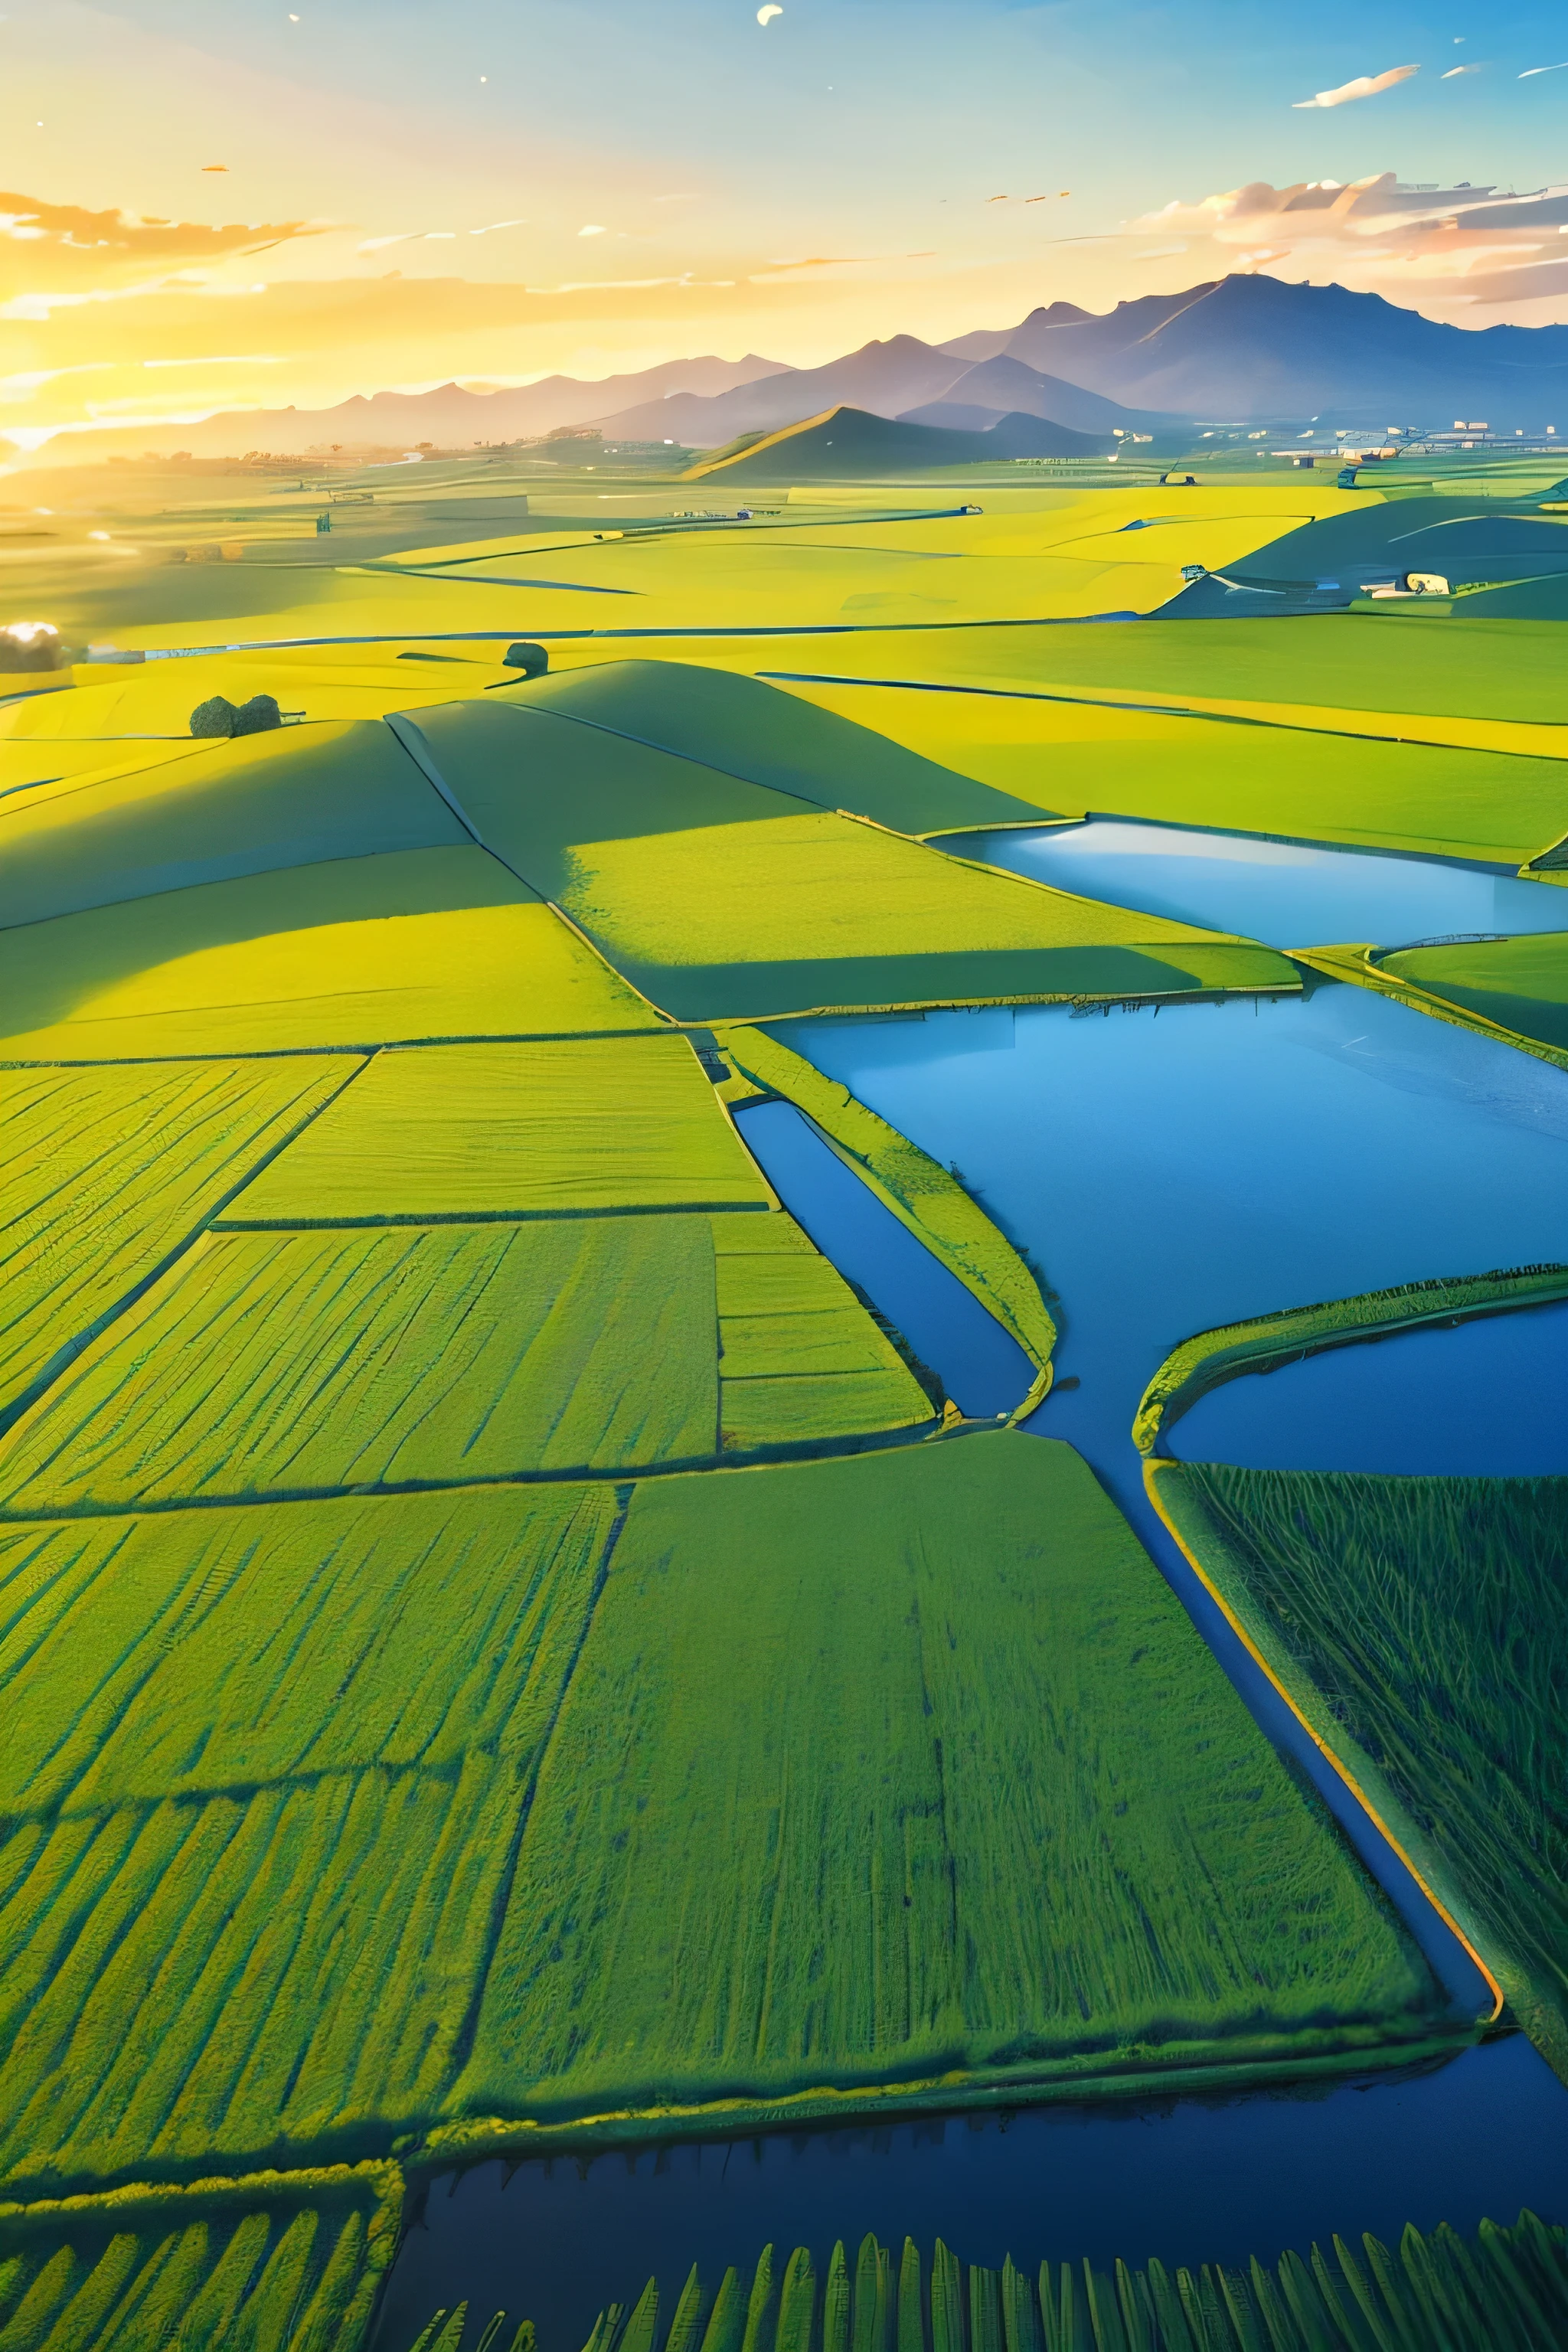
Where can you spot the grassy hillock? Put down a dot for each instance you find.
(745, 728)
(215, 810)
(1421, 1627)
(1502, 2290)
(719, 898)
(850, 444)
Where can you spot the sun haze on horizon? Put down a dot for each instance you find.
(595, 189)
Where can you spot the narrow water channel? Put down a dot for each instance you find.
(982, 1367)
(1170, 1171)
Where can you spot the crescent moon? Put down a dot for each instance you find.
(765, 15)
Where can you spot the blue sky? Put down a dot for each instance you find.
(652, 177)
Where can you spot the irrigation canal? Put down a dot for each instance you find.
(1168, 1172)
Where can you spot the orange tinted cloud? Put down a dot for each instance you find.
(114, 236)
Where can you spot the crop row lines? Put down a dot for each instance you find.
(573, 1475)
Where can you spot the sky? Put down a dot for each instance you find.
(231, 204)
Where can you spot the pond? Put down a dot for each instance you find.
(1287, 894)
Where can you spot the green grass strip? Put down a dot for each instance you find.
(921, 1194)
(1500, 2290)
(267, 2260)
(1266, 1341)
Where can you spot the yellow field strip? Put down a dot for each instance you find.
(1529, 739)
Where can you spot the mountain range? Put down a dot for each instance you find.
(1248, 348)
(1240, 349)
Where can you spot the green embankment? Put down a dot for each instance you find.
(922, 1195)
(565, 1127)
(995, 1826)
(1268, 1341)
(398, 948)
(274, 2263)
(109, 1171)
(1500, 2290)
(719, 897)
(1514, 989)
(1420, 1626)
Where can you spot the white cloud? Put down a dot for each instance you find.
(1531, 71)
(592, 228)
(1364, 86)
(1426, 243)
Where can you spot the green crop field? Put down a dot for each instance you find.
(1421, 1624)
(816, 1671)
(800, 1359)
(368, 1816)
(393, 949)
(272, 2262)
(504, 1648)
(1503, 2290)
(564, 1127)
(108, 1171)
(1070, 744)
(260, 1827)
(304, 1362)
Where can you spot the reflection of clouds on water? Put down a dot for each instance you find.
(1290, 895)
(1395, 1046)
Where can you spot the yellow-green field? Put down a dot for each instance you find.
(500, 1646)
